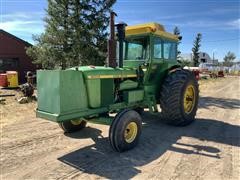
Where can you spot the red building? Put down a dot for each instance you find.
(13, 55)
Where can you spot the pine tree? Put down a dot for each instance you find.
(229, 58)
(90, 20)
(76, 34)
(196, 48)
(177, 32)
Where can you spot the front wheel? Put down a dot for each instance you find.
(72, 125)
(125, 130)
(179, 98)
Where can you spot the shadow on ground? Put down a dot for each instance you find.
(227, 103)
(156, 139)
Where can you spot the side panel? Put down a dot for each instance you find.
(73, 92)
(133, 96)
(100, 92)
(94, 92)
(61, 92)
(107, 92)
(48, 91)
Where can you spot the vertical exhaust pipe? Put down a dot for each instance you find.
(121, 37)
(112, 43)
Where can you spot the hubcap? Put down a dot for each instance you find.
(189, 99)
(76, 122)
(130, 132)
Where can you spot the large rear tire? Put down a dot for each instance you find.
(179, 98)
(72, 125)
(125, 130)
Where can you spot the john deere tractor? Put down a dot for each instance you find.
(144, 74)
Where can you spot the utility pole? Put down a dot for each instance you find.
(213, 58)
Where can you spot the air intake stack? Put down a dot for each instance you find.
(121, 36)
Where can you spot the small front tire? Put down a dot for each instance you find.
(125, 130)
(72, 125)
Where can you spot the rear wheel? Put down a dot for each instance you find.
(125, 130)
(179, 98)
(72, 125)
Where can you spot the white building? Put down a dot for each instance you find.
(203, 58)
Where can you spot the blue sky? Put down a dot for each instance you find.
(217, 20)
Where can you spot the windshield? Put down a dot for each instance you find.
(137, 48)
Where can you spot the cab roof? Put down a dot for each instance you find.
(152, 27)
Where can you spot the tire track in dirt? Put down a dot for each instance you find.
(6, 147)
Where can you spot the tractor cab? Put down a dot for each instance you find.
(151, 49)
(149, 42)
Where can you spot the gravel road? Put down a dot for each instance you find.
(33, 148)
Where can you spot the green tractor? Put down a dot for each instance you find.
(145, 75)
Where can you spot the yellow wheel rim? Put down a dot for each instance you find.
(76, 122)
(130, 132)
(189, 99)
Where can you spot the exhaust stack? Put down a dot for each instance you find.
(112, 43)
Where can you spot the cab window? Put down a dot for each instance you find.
(137, 49)
(157, 48)
(169, 50)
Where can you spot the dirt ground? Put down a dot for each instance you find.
(33, 148)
